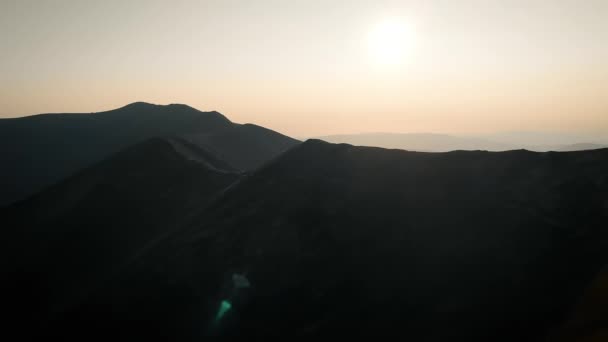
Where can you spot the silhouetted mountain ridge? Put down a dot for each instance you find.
(242, 145)
(61, 244)
(340, 241)
(40, 150)
(433, 142)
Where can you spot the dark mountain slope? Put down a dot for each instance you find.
(38, 151)
(62, 243)
(244, 146)
(589, 321)
(340, 241)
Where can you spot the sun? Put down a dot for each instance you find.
(390, 42)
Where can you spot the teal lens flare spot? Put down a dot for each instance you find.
(225, 306)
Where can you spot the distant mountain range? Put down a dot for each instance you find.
(332, 241)
(38, 151)
(580, 147)
(429, 142)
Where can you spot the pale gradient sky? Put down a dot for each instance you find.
(304, 67)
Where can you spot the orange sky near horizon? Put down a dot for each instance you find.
(304, 68)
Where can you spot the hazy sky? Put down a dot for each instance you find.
(316, 67)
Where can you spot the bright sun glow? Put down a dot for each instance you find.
(391, 41)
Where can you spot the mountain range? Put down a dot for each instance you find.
(220, 231)
(432, 142)
(74, 235)
(38, 151)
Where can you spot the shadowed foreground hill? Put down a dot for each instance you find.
(40, 150)
(67, 240)
(341, 241)
(589, 321)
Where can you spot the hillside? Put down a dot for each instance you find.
(244, 146)
(341, 241)
(60, 244)
(38, 151)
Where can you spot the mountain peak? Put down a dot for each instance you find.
(318, 142)
(146, 110)
(183, 106)
(138, 105)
